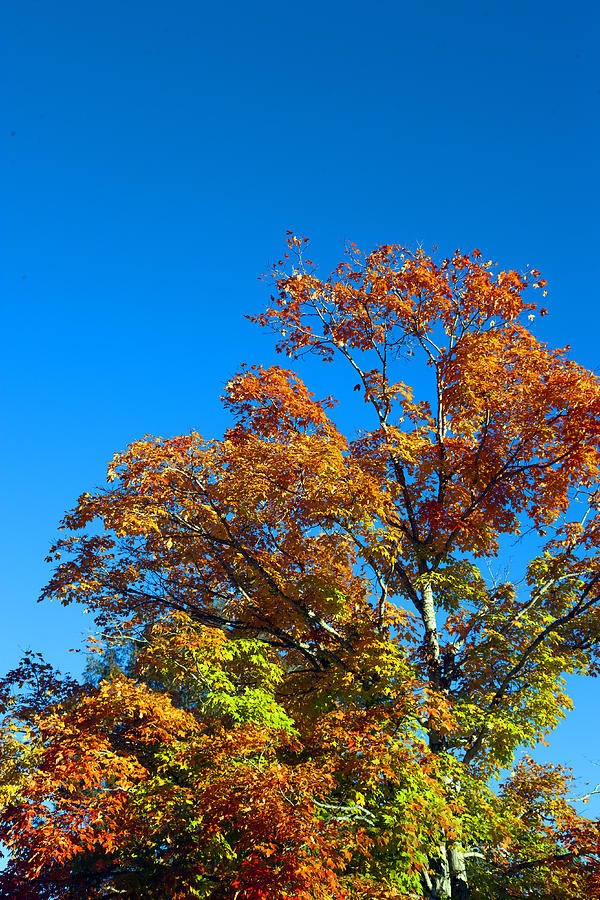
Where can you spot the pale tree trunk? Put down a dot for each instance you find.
(448, 877)
(458, 873)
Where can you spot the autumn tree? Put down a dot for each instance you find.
(308, 679)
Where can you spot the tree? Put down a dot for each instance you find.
(309, 677)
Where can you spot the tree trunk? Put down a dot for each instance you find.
(448, 879)
(458, 873)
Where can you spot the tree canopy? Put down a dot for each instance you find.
(305, 681)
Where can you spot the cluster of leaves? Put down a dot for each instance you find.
(176, 771)
(305, 680)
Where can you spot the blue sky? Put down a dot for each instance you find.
(154, 156)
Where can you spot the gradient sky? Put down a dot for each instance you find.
(154, 156)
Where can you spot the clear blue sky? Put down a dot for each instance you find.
(154, 156)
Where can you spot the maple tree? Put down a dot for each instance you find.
(306, 680)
